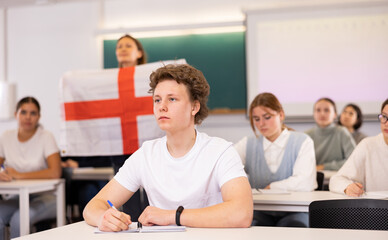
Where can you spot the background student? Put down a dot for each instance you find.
(277, 159)
(351, 118)
(129, 53)
(190, 178)
(367, 167)
(28, 152)
(333, 144)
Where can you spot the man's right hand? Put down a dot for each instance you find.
(114, 221)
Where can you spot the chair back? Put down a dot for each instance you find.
(370, 214)
(320, 178)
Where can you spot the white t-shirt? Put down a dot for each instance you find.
(30, 155)
(193, 181)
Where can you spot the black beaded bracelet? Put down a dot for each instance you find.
(178, 215)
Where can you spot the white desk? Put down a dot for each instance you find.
(26, 187)
(83, 231)
(104, 173)
(293, 202)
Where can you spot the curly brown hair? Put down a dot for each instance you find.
(194, 80)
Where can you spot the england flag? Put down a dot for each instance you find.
(107, 112)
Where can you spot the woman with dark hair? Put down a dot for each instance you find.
(351, 118)
(367, 167)
(333, 144)
(28, 152)
(277, 158)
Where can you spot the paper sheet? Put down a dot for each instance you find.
(147, 229)
(376, 195)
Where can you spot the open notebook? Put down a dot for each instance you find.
(148, 229)
(376, 195)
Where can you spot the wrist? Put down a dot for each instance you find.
(172, 217)
(15, 175)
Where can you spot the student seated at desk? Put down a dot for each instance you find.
(277, 159)
(190, 178)
(333, 144)
(29, 152)
(367, 167)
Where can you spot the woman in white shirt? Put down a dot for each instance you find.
(277, 159)
(367, 167)
(29, 152)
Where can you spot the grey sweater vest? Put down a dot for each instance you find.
(256, 167)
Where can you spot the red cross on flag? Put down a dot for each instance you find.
(107, 112)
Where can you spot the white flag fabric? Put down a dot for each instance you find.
(107, 112)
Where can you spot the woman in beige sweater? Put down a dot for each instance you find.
(367, 167)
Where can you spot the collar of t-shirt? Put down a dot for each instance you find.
(274, 151)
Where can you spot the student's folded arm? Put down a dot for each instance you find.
(98, 205)
(338, 183)
(236, 210)
(54, 166)
(53, 170)
(352, 171)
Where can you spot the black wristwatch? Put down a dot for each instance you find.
(178, 215)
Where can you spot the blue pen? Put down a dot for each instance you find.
(2, 168)
(111, 204)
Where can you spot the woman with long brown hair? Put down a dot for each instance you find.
(277, 158)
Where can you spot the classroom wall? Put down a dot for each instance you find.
(2, 59)
(45, 41)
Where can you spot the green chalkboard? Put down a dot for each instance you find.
(221, 58)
